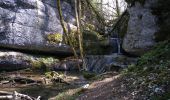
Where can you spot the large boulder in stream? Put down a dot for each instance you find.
(26, 24)
(68, 64)
(142, 27)
(12, 61)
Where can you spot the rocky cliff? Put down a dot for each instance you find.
(142, 27)
(26, 24)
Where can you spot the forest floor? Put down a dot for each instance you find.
(35, 89)
(149, 79)
(110, 86)
(107, 89)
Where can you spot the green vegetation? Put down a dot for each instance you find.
(91, 35)
(160, 52)
(152, 73)
(89, 27)
(65, 96)
(94, 43)
(91, 42)
(36, 64)
(74, 38)
(42, 63)
(162, 10)
(70, 94)
(46, 92)
(88, 75)
(55, 38)
(53, 74)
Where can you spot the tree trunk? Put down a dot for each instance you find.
(117, 9)
(65, 30)
(79, 30)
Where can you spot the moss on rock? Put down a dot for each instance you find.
(36, 64)
(91, 35)
(55, 38)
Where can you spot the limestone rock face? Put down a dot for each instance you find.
(25, 24)
(142, 27)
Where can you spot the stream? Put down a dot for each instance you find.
(46, 91)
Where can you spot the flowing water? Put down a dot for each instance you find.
(116, 43)
(44, 90)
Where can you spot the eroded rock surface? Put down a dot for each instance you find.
(142, 27)
(11, 61)
(25, 24)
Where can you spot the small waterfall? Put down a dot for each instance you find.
(118, 45)
(116, 42)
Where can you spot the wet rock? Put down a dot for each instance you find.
(102, 63)
(11, 61)
(68, 65)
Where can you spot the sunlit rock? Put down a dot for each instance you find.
(142, 28)
(25, 24)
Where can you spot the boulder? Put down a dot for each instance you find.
(142, 26)
(26, 24)
(70, 64)
(12, 61)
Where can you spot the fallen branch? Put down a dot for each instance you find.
(16, 96)
(6, 97)
(5, 92)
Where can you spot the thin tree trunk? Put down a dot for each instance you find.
(99, 17)
(117, 9)
(80, 36)
(65, 30)
(101, 5)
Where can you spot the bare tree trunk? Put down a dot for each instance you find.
(101, 5)
(100, 18)
(118, 9)
(65, 30)
(80, 36)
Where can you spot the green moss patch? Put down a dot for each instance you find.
(94, 43)
(88, 75)
(54, 38)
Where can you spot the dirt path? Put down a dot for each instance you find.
(107, 89)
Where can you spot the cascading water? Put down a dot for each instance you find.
(118, 44)
(115, 43)
(114, 40)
